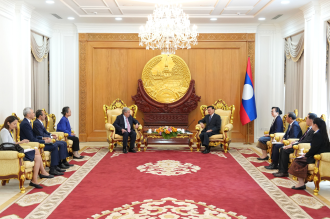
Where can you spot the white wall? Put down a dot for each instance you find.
(15, 57)
(7, 16)
(64, 72)
(17, 19)
(269, 75)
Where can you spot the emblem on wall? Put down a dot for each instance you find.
(166, 78)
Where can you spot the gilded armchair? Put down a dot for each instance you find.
(278, 136)
(304, 127)
(227, 119)
(111, 112)
(318, 171)
(16, 167)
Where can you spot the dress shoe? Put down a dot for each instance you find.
(299, 188)
(132, 151)
(67, 164)
(266, 158)
(59, 170)
(74, 157)
(281, 174)
(124, 150)
(271, 167)
(35, 185)
(44, 176)
(56, 173)
(62, 166)
(206, 151)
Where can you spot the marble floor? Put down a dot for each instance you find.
(11, 191)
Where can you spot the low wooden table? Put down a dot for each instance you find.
(180, 139)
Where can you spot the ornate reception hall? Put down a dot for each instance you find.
(165, 109)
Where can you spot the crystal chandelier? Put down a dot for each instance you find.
(168, 29)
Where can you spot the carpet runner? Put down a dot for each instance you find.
(168, 184)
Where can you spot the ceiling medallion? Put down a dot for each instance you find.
(168, 29)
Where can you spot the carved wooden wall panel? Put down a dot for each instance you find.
(112, 64)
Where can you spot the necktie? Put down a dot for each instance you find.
(128, 125)
(210, 118)
(302, 138)
(30, 123)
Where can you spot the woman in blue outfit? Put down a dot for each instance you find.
(64, 126)
(5, 137)
(276, 126)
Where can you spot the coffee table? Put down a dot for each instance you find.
(180, 139)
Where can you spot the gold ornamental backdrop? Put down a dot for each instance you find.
(166, 78)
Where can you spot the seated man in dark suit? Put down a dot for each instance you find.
(27, 133)
(124, 127)
(40, 130)
(213, 124)
(287, 150)
(294, 131)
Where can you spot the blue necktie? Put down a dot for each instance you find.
(210, 118)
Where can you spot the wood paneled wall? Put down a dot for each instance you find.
(111, 64)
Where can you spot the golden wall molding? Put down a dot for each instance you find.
(82, 86)
(96, 37)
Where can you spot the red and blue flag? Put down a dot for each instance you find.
(248, 111)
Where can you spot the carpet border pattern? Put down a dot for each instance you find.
(292, 209)
(52, 201)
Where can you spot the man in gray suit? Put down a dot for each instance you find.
(287, 150)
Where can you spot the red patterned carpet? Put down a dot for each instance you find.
(168, 184)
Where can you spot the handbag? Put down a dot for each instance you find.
(11, 147)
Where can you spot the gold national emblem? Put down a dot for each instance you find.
(166, 78)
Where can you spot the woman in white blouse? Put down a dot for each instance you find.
(6, 137)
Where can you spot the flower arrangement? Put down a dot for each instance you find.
(167, 132)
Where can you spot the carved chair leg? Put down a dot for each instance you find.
(21, 182)
(226, 147)
(198, 146)
(317, 180)
(110, 147)
(139, 146)
(4, 181)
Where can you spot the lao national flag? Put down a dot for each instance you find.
(248, 110)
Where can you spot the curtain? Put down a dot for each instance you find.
(39, 72)
(294, 85)
(39, 46)
(294, 73)
(294, 47)
(328, 77)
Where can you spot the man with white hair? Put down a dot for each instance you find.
(124, 127)
(27, 133)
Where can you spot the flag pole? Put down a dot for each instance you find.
(247, 133)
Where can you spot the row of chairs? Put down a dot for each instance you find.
(11, 162)
(317, 172)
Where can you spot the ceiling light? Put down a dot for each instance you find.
(285, 2)
(214, 19)
(168, 29)
(261, 19)
(49, 2)
(118, 19)
(71, 18)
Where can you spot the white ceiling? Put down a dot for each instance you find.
(136, 11)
